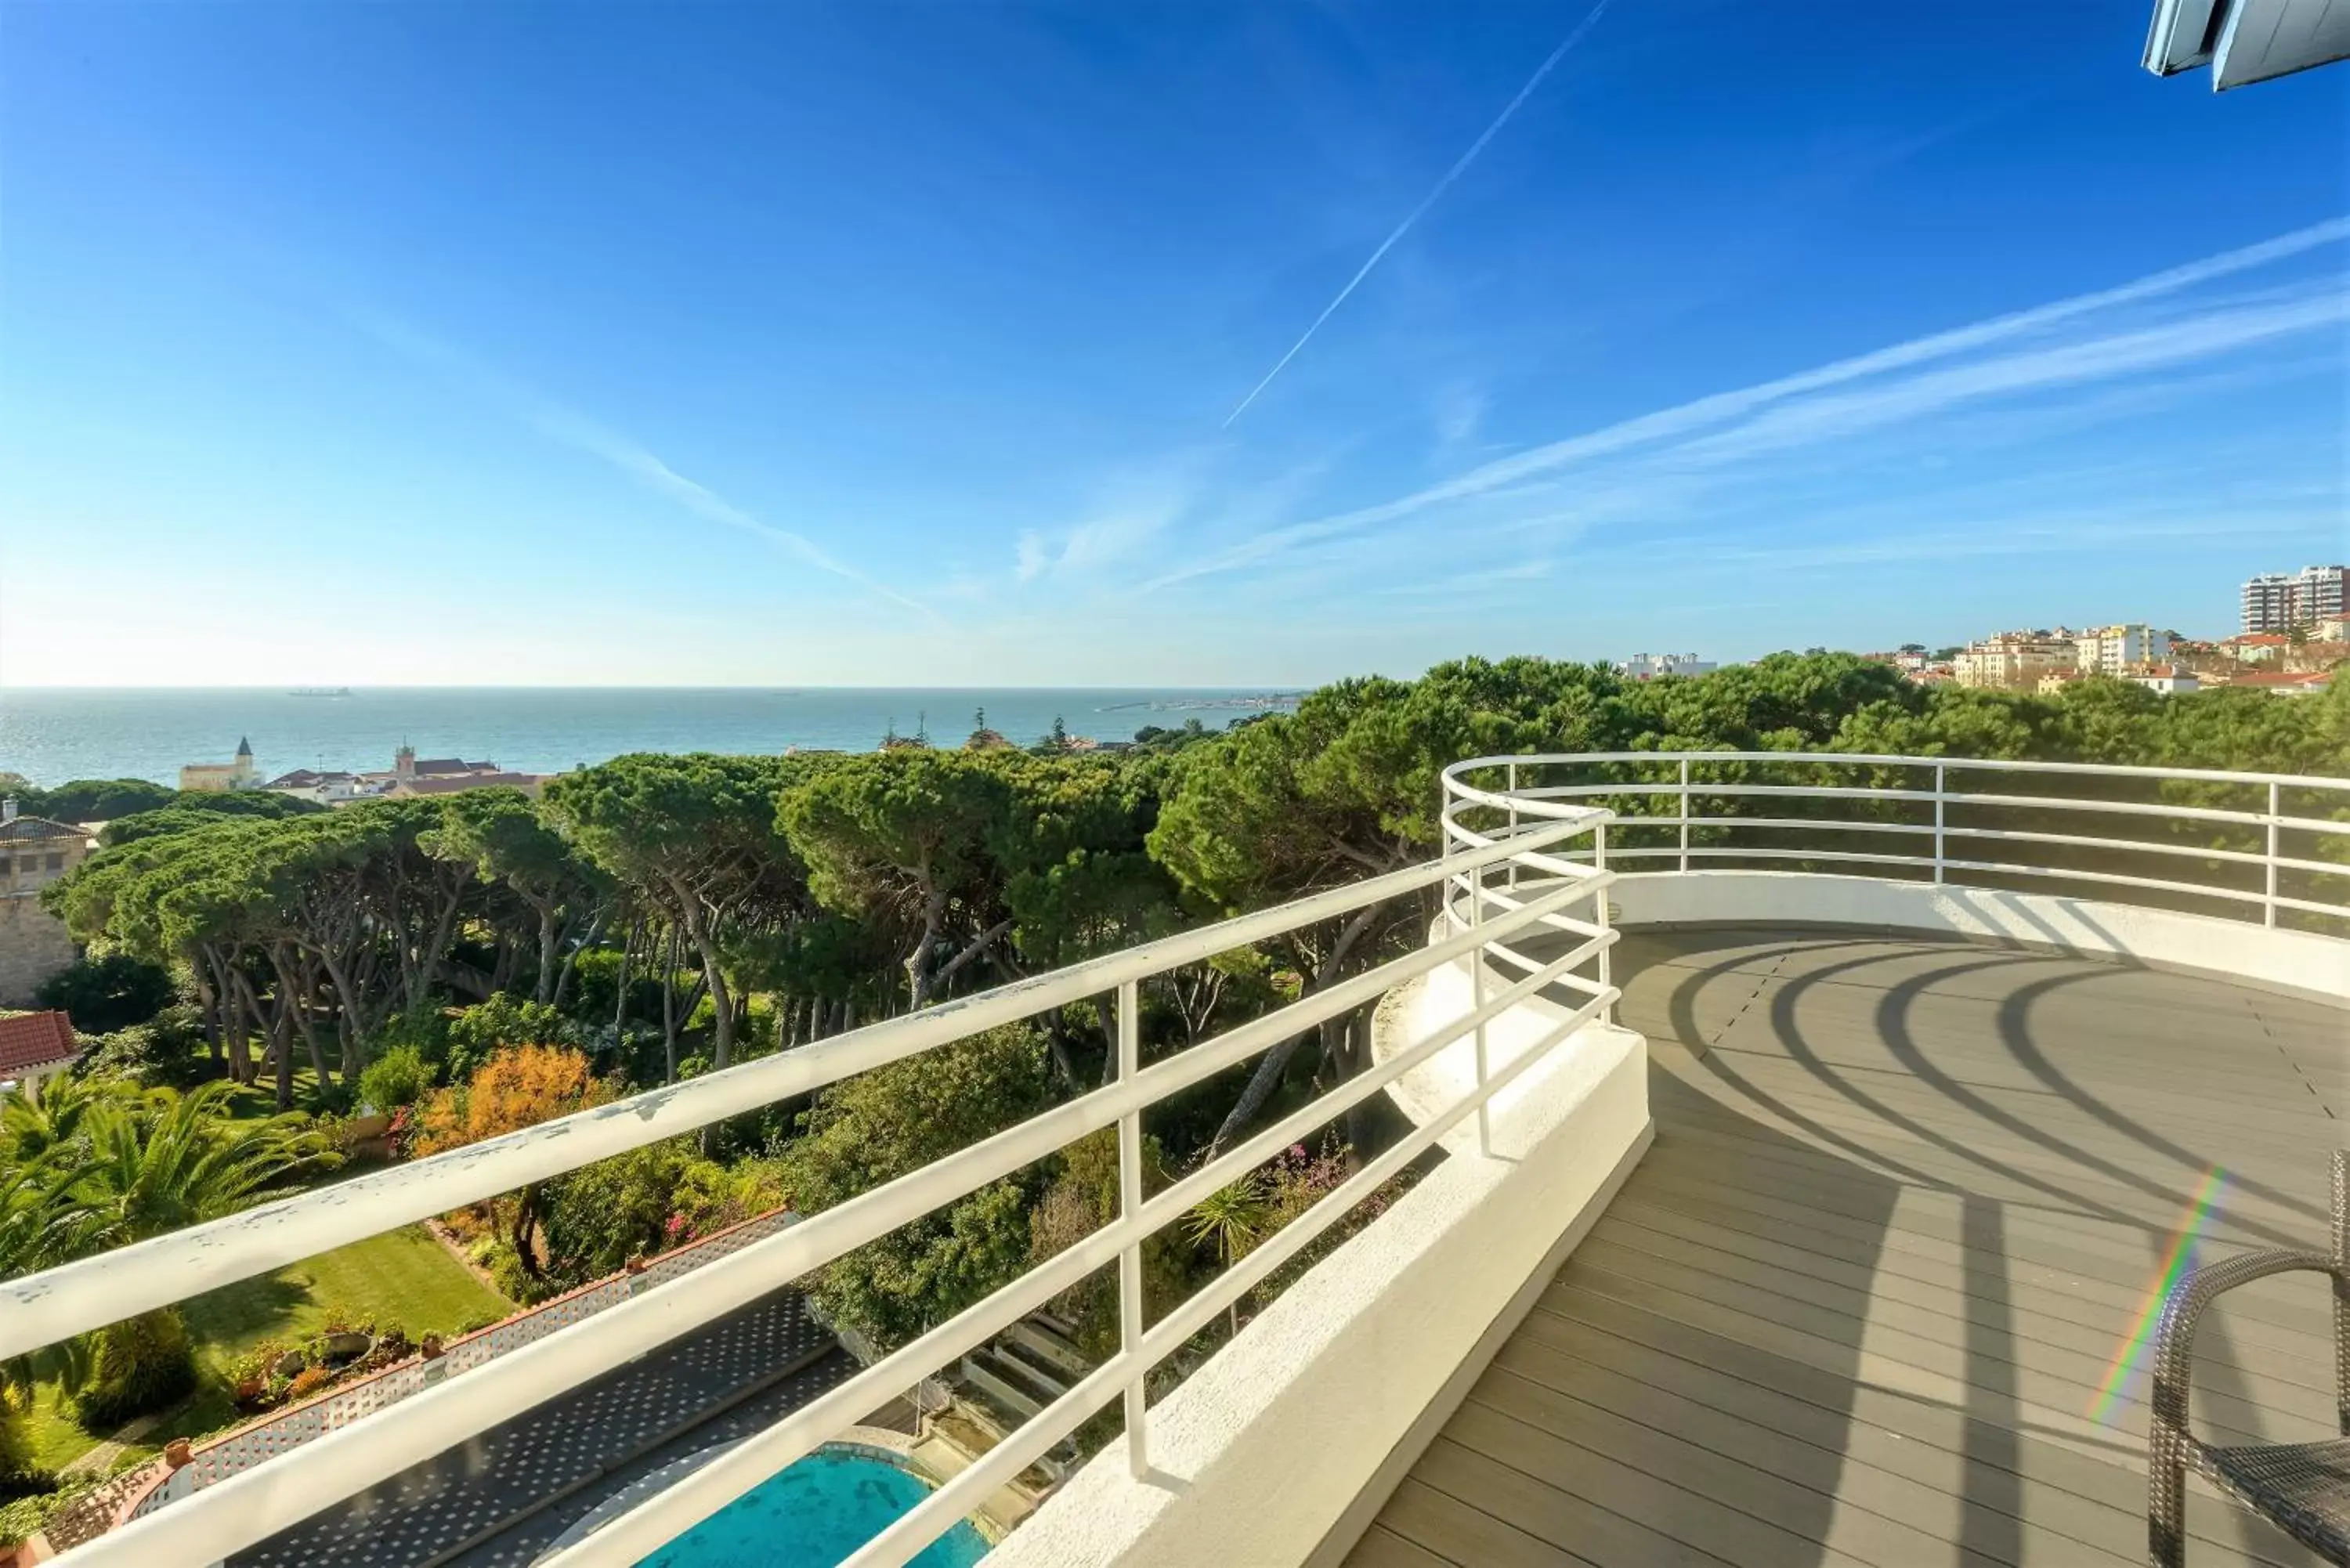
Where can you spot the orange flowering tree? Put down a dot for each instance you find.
(519, 1086)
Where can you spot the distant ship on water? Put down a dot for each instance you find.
(320, 691)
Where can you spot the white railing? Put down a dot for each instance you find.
(1935, 809)
(250, 1507)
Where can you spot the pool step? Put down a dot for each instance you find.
(1036, 1372)
(1040, 1342)
(992, 1376)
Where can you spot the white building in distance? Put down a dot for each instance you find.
(214, 776)
(2111, 650)
(1648, 666)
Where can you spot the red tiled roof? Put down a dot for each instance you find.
(38, 830)
(35, 1039)
(2280, 678)
(445, 785)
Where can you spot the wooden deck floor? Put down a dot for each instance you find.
(1862, 1302)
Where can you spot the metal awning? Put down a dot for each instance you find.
(2246, 40)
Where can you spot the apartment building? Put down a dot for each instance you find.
(2278, 601)
(2112, 650)
(2017, 660)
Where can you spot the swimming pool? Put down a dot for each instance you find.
(813, 1514)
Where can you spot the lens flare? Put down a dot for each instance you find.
(2110, 1397)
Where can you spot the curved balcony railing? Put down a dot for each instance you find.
(214, 1523)
(2274, 847)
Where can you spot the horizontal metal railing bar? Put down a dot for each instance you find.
(2149, 809)
(1873, 759)
(425, 1425)
(1953, 830)
(2078, 841)
(45, 1308)
(1948, 797)
(1846, 792)
(1734, 851)
(2200, 889)
(711, 1489)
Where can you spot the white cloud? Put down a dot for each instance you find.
(576, 431)
(2098, 337)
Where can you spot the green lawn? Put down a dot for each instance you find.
(403, 1277)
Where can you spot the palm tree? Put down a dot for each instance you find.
(126, 1166)
(164, 1161)
(1232, 1220)
(40, 1216)
(44, 1119)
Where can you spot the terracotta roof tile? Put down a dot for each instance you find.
(35, 1039)
(37, 829)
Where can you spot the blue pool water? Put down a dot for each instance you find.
(813, 1515)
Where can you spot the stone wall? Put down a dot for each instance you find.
(34, 945)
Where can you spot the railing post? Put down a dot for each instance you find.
(1129, 1260)
(2269, 907)
(1599, 860)
(1685, 816)
(1512, 792)
(1937, 823)
(1477, 1000)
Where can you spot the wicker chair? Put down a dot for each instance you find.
(2302, 1488)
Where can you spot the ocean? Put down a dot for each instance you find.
(51, 735)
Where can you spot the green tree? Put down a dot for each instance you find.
(901, 840)
(506, 839)
(1230, 1222)
(880, 1125)
(695, 838)
(108, 992)
(399, 1077)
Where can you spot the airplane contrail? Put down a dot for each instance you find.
(1426, 202)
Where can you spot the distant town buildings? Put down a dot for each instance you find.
(34, 943)
(211, 777)
(2017, 660)
(2278, 601)
(2257, 647)
(1648, 666)
(2112, 650)
(411, 777)
(2170, 679)
(2283, 683)
(326, 788)
(407, 777)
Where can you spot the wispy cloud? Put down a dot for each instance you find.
(1459, 165)
(568, 427)
(2096, 337)
(1132, 509)
(1460, 411)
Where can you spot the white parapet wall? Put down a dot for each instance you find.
(2243, 951)
(1275, 1452)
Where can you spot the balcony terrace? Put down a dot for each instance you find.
(1818, 1134)
(1872, 1296)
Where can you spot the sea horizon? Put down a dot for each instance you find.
(50, 734)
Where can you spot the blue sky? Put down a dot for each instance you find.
(890, 344)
